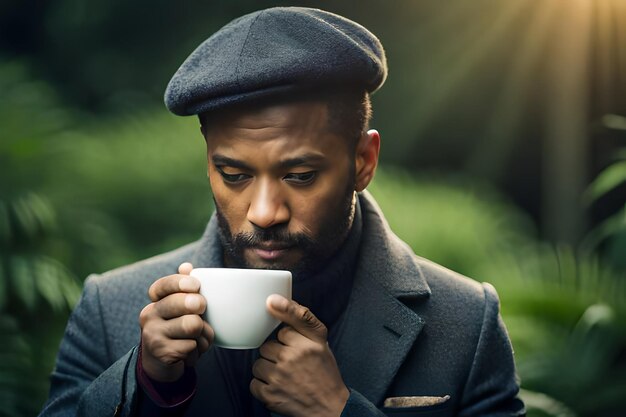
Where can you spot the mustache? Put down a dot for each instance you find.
(279, 236)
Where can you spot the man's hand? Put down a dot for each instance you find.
(173, 333)
(297, 375)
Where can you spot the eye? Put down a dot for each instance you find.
(300, 178)
(232, 178)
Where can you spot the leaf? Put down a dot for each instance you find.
(42, 211)
(56, 284)
(614, 121)
(71, 291)
(47, 278)
(536, 401)
(33, 215)
(25, 221)
(23, 282)
(611, 177)
(609, 227)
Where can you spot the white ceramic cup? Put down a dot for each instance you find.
(236, 303)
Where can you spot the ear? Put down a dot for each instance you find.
(366, 161)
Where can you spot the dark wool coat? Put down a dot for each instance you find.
(411, 329)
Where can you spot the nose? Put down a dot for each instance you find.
(267, 207)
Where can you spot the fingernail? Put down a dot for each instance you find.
(188, 284)
(185, 268)
(278, 302)
(192, 302)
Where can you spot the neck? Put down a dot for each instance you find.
(326, 292)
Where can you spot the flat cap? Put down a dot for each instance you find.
(276, 51)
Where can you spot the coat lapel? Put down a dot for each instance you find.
(209, 252)
(378, 329)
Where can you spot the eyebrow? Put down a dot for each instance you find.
(224, 160)
(308, 158)
(305, 159)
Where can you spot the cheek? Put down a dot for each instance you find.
(313, 210)
(231, 205)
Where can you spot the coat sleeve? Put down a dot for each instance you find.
(492, 387)
(359, 406)
(86, 381)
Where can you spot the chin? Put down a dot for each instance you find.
(270, 265)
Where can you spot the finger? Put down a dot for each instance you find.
(185, 268)
(189, 326)
(262, 369)
(172, 284)
(297, 316)
(172, 351)
(288, 336)
(271, 350)
(180, 304)
(206, 339)
(257, 389)
(203, 345)
(146, 314)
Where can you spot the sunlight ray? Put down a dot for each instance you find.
(468, 56)
(508, 109)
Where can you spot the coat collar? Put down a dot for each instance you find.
(385, 258)
(378, 329)
(209, 252)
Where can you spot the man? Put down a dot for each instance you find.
(283, 100)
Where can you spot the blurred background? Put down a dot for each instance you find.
(503, 158)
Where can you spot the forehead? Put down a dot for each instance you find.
(298, 114)
(284, 127)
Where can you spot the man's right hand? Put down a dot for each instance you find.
(173, 334)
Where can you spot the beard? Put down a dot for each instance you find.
(316, 250)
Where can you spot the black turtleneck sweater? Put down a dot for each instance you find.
(326, 294)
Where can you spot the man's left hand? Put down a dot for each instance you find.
(297, 375)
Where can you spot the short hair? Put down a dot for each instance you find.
(349, 111)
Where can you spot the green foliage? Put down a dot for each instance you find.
(85, 195)
(611, 177)
(456, 223)
(137, 173)
(14, 361)
(567, 320)
(610, 235)
(36, 293)
(29, 275)
(566, 315)
(37, 290)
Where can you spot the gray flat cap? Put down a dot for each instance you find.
(276, 51)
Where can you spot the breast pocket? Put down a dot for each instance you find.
(418, 406)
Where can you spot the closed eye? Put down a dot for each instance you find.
(301, 178)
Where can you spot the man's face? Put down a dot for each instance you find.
(283, 186)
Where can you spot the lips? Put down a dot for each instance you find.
(271, 251)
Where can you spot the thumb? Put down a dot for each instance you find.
(297, 316)
(185, 268)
